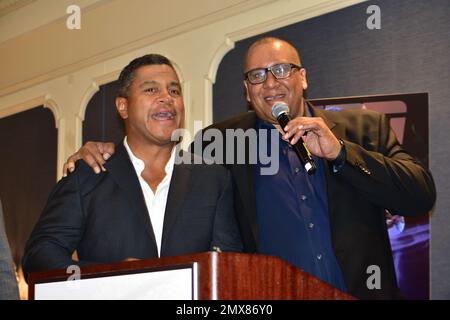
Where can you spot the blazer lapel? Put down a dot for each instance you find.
(315, 112)
(244, 177)
(177, 192)
(122, 172)
(333, 185)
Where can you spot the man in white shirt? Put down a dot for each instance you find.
(142, 205)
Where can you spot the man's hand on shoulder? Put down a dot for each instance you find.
(94, 154)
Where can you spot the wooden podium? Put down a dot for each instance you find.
(221, 276)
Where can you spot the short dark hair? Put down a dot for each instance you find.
(128, 73)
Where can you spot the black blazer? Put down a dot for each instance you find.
(104, 216)
(378, 175)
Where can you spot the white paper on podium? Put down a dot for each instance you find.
(178, 284)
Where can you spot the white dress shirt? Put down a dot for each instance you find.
(155, 202)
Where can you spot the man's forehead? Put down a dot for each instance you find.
(146, 82)
(156, 73)
(271, 52)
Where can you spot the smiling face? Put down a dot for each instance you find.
(289, 90)
(154, 107)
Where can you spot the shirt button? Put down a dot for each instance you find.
(297, 170)
(303, 197)
(319, 256)
(311, 225)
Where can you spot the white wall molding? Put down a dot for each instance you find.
(22, 106)
(51, 104)
(46, 101)
(197, 46)
(79, 117)
(264, 26)
(226, 46)
(291, 18)
(131, 44)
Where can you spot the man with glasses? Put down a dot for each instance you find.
(331, 223)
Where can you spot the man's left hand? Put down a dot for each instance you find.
(315, 133)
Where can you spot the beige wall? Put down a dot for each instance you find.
(42, 62)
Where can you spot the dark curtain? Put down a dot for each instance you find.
(101, 121)
(27, 172)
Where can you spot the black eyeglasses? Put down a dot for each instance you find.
(279, 71)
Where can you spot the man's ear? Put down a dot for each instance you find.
(122, 107)
(304, 81)
(247, 96)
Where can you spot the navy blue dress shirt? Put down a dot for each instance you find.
(292, 213)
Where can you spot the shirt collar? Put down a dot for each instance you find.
(139, 164)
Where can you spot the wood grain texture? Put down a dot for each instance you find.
(225, 276)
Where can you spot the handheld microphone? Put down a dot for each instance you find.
(280, 111)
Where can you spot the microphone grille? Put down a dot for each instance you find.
(279, 108)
